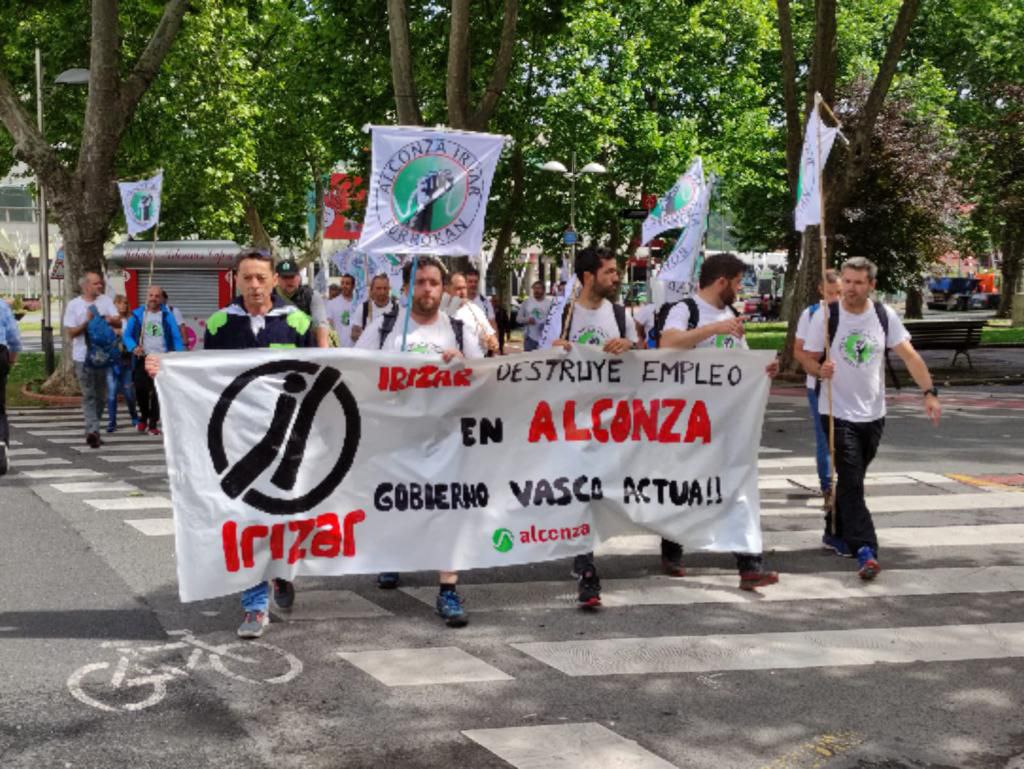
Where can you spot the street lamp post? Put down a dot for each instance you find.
(572, 174)
(68, 77)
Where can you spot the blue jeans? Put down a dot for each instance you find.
(821, 442)
(530, 344)
(119, 381)
(256, 598)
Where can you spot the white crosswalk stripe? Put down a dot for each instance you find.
(130, 503)
(153, 527)
(132, 457)
(38, 461)
(92, 487)
(74, 472)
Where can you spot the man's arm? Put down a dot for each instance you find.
(922, 377)
(686, 340)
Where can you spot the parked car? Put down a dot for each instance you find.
(951, 293)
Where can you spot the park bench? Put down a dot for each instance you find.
(961, 336)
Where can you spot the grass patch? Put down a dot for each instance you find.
(769, 340)
(1002, 335)
(32, 325)
(31, 367)
(770, 327)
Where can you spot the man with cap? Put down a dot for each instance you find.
(290, 289)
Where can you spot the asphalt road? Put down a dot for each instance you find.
(924, 668)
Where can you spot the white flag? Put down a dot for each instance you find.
(673, 208)
(818, 139)
(428, 191)
(678, 268)
(553, 323)
(141, 202)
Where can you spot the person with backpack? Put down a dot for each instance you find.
(119, 374)
(151, 330)
(290, 289)
(708, 320)
(380, 302)
(593, 318)
(10, 346)
(90, 320)
(429, 332)
(829, 291)
(859, 333)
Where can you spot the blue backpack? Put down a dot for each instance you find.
(101, 348)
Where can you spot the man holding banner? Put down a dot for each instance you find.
(593, 319)
(258, 318)
(709, 320)
(426, 330)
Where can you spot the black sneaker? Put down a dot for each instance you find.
(284, 593)
(388, 580)
(92, 440)
(3, 458)
(589, 589)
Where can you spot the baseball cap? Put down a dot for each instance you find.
(287, 267)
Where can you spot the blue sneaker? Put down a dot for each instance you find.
(387, 580)
(868, 563)
(449, 607)
(837, 545)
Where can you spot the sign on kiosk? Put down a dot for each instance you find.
(196, 274)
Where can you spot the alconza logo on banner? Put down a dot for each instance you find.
(304, 393)
(429, 192)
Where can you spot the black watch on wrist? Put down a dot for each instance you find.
(930, 391)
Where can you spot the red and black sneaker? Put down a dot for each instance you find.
(673, 566)
(752, 580)
(589, 586)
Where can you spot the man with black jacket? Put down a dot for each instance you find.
(257, 318)
(290, 289)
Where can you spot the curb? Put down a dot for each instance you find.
(51, 400)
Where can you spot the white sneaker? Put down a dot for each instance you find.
(253, 624)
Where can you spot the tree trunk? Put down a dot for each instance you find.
(517, 183)
(1013, 261)
(402, 79)
(915, 304)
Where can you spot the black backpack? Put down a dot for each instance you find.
(387, 325)
(833, 329)
(620, 319)
(691, 323)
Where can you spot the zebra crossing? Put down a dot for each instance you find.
(919, 514)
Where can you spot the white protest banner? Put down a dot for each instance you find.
(679, 266)
(141, 202)
(818, 140)
(553, 323)
(329, 462)
(672, 210)
(428, 191)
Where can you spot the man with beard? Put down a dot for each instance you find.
(593, 319)
(430, 332)
(708, 319)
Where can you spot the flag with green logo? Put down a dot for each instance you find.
(141, 202)
(681, 263)
(673, 209)
(818, 139)
(428, 191)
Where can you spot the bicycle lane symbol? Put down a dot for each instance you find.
(131, 685)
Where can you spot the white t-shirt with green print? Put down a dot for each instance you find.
(679, 318)
(858, 350)
(595, 327)
(428, 339)
(341, 314)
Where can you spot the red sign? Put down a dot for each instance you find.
(650, 200)
(340, 198)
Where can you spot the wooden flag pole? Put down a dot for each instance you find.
(822, 245)
(152, 253)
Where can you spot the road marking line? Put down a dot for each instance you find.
(39, 462)
(133, 458)
(989, 500)
(768, 651)
(910, 537)
(111, 447)
(775, 482)
(75, 472)
(130, 503)
(420, 667)
(95, 487)
(560, 745)
(25, 452)
(153, 527)
(785, 463)
(767, 450)
(705, 587)
(149, 469)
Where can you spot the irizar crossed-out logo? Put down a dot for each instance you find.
(300, 416)
(141, 205)
(858, 349)
(429, 192)
(592, 336)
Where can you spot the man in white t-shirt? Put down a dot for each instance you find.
(643, 316)
(379, 303)
(458, 304)
(708, 320)
(829, 291)
(429, 332)
(474, 295)
(532, 315)
(93, 381)
(593, 319)
(854, 363)
(341, 312)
